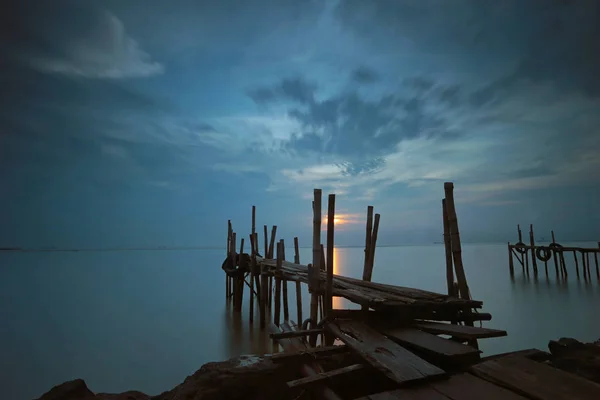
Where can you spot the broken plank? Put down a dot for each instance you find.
(536, 380)
(460, 331)
(386, 356)
(310, 381)
(309, 352)
(442, 349)
(285, 335)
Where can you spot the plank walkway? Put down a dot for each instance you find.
(377, 296)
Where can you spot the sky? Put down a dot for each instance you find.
(151, 123)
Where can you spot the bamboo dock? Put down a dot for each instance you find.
(403, 342)
(553, 252)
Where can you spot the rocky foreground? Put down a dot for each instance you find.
(251, 377)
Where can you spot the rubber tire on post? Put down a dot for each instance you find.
(547, 254)
(555, 246)
(520, 248)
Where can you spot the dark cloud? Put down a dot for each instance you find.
(350, 126)
(295, 89)
(548, 41)
(364, 75)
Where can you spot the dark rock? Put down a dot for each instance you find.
(245, 377)
(579, 358)
(71, 390)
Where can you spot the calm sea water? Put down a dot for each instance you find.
(144, 320)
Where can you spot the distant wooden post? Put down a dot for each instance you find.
(240, 281)
(264, 295)
(316, 261)
(278, 285)
(576, 263)
(448, 248)
(554, 254)
(583, 266)
(227, 280)
(461, 277)
(253, 220)
(286, 309)
(532, 243)
(298, 284)
(511, 264)
(232, 261)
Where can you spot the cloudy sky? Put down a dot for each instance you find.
(145, 123)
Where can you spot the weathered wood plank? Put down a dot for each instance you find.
(536, 380)
(468, 387)
(390, 358)
(432, 344)
(422, 393)
(309, 353)
(458, 387)
(317, 379)
(461, 331)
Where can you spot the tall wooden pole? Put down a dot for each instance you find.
(278, 284)
(298, 285)
(448, 248)
(461, 277)
(330, 253)
(286, 309)
(316, 261)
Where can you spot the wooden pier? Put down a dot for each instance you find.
(554, 253)
(403, 343)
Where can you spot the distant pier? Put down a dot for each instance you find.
(554, 253)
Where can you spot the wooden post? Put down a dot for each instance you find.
(448, 249)
(254, 220)
(271, 256)
(278, 285)
(373, 246)
(583, 266)
(264, 295)
(322, 284)
(596, 262)
(330, 253)
(240, 281)
(511, 265)
(286, 309)
(576, 263)
(253, 279)
(368, 242)
(227, 280)
(520, 233)
(266, 243)
(532, 243)
(461, 277)
(232, 260)
(563, 264)
(316, 261)
(554, 254)
(272, 242)
(298, 284)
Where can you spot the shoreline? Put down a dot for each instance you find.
(258, 377)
